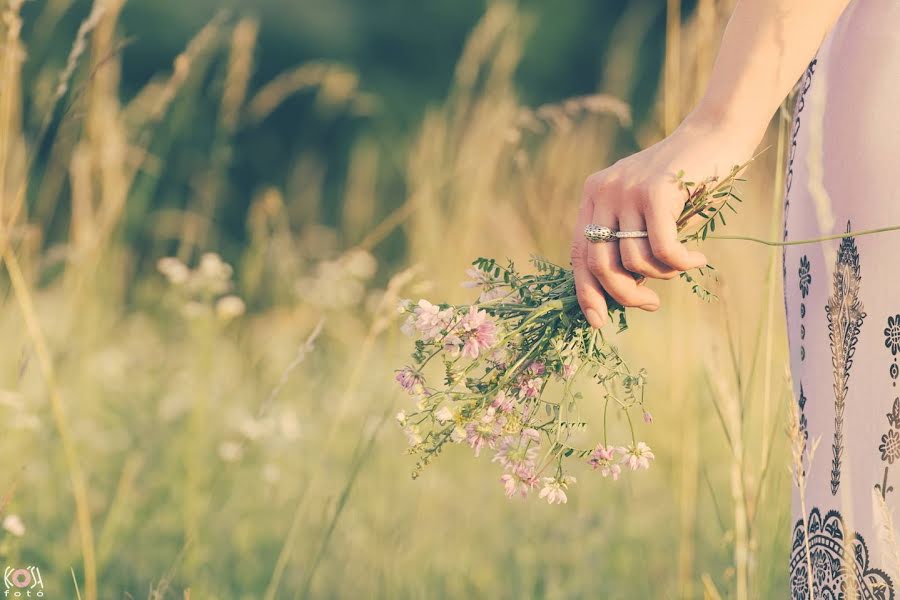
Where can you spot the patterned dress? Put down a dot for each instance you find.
(842, 300)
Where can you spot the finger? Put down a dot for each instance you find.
(664, 240)
(637, 256)
(605, 264)
(587, 289)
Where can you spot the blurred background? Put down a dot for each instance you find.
(209, 213)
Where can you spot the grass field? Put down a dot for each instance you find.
(162, 442)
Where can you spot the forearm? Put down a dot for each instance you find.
(766, 46)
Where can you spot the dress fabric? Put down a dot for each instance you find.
(842, 302)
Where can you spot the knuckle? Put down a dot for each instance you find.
(658, 196)
(633, 263)
(581, 294)
(653, 196)
(667, 275)
(669, 254)
(656, 189)
(637, 189)
(595, 264)
(576, 252)
(592, 183)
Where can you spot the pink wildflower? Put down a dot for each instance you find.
(531, 434)
(503, 403)
(554, 489)
(484, 431)
(568, 371)
(478, 332)
(410, 381)
(603, 459)
(520, 481)
(409, 326)
(536, 368)
(531, 387)
(477, 278)
(510, 484)
(517, 454)
(431, 320)
(637, 457)
(452, 344)
(648, 418)
(443, 414)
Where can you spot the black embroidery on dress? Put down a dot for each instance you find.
(792, 151)
(818, 560)
(890, 440)
(805, 280)
(892, 334)
(890, 447)
(804, 425)
(845, 317)
(805, 277)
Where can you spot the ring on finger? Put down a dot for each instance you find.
(600, 233)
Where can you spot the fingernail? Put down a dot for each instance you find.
(594, 318)
(651, 306)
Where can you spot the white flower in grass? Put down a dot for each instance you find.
(230, 307)
(173, 269)
(213, 267)
(360, 264)
(14, 525)
(230, 451)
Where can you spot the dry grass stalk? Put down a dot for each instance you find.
(73, 463)
(10, 81)
(802, 453)
(336, 83)
(240, 69)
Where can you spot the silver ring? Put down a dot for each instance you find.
(599, 233)
(631, 234)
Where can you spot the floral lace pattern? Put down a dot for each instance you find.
(822, 568)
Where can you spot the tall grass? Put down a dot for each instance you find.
(152, 442)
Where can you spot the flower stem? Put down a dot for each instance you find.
(836, 236)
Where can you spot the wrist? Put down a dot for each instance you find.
(745, 130)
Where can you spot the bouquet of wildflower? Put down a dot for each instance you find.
(498, 355)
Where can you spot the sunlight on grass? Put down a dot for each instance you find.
(214, 427)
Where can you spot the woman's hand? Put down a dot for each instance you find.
(640, 192)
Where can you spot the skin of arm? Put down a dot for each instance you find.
(766, 46)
